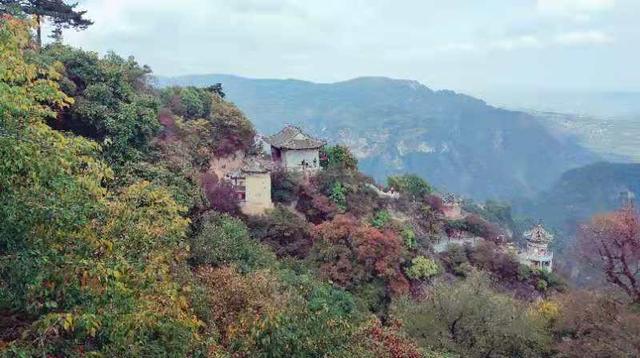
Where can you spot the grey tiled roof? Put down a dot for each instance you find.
(538, 235)
(292, 137)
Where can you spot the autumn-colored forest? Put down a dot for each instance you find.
(116, 239)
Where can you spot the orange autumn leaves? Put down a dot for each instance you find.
(352, 253)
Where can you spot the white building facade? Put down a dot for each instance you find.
(295, 151)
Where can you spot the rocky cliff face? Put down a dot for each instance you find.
(457, 142)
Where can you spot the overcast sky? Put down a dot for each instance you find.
(465, 45)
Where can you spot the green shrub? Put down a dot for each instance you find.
(338, 156)
(409, 238)
(223, 240)
(381, 218)
(409, 184)
(338, 196)
(470, 319)
(284, 186)
(422, 268)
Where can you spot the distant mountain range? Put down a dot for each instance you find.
(457, 142)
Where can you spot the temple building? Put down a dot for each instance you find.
(252, 184)
(537, 254)
(294, 150)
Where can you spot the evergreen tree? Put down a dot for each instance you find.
(62, 15)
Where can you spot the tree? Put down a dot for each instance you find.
(422, 268)
(220, 194)
(222, 240)
(232, 131)
(338, 157)
(114, 103)
(470, 319)
(611, 243)
(188, 102)
(591, 324)
(351, 254)
(85, 270)
(411, 185)
(287, 233)
(29, 92)
(62, 15)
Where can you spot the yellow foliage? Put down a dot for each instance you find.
(28, 92)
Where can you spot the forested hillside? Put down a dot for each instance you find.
(458, 143)
(118, 238)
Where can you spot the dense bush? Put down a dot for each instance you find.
(220, 194)
(501, 265)
(187, 102)
(351, 254)
(338, 157)
(69, 247)
(315, 206)
(231, 130)
(590, 324)
(222, 240)
(411, 185)
(477, 226)
(284, 231)
(284, 186)
(348, 189)
(471, 320)
(259, 315)
(422, 268)
(113, 101)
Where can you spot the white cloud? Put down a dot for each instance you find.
(592, 37)
(458, 47)
(571, 7)
(531, 41)
(514, 43)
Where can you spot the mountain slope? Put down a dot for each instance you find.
(457, 142)
(583, 192)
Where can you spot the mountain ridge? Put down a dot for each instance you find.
(457, 142)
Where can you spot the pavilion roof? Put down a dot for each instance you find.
(292, 137)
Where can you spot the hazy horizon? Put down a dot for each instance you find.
(496, 46)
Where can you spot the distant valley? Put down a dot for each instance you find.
(616, 138)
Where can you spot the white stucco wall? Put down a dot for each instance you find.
(258, 194)
(292, 159)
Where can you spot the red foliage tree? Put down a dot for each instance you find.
(435, 203)
(220, 194)
(611, 242)
(315, 206)
(351, 253)
(284, 231)
(482, 228)
(387, 341)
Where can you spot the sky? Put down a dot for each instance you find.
(472, 46)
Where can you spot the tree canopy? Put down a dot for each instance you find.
(61, 13)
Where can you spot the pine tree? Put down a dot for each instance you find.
(62, 15)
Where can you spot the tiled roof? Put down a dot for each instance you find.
(292, 137)
(538, 235)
